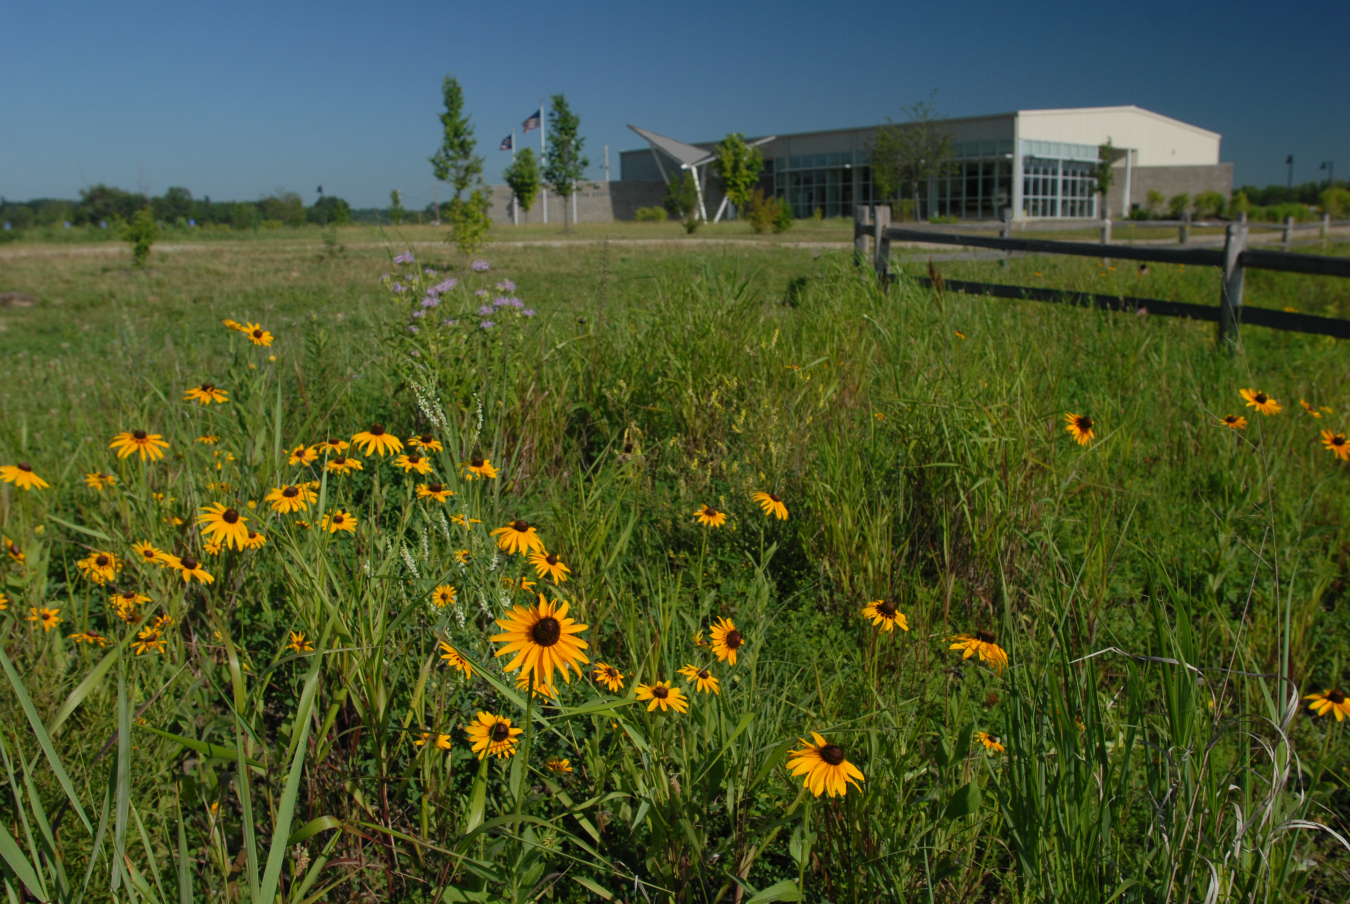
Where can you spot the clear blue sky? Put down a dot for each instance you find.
(236, 99)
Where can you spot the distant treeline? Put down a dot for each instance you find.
(103, 205)
(1307, 193)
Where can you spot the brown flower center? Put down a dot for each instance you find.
(660, 692)
(475, 462)
(189, 563)
(148, 553)
(25, 466)
(1337, 440)
(704, 674)
(252, 535)
(338, 519)
(709, 512)
(340, 460)
(414, 459)
(733, 640)
(425, 439)
(520, 526)
(290, 492)
(774, 497)
(627, 448)
(1084, 423)
(1336, 697)
(101, 561)
(436, 487)
(547, 631)
(257, 334)
(1261, 398)
(500, 732)
(984, 637)
(207, 387)
(551, 558)
(377, 430)
(832, 754)
(887, 608)
(138, 434)
(229, 516)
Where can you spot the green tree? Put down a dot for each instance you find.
(1106, 155)
(909, 153)
(564, 164)
(395, 207)
(523, 177)
(284, 207)
(469, 220)
(1336, 201)
(456, 161)
(682, 200)
(1208, 204)
(737, 169)
(330, 210)
(141, 232)
(1177, 205)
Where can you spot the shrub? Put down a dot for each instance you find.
(1155, 201)
(782, 218)
(141, 232)
(1336, 201)
(682, 201)
(1239, 204)
(650, 215)
(1177, 205)
(469, 219)
(1208, 204)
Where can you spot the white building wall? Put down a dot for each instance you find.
(1159, 140)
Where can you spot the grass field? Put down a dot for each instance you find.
(1164, 595)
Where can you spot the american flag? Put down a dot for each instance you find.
(534, 120)
(507, 144)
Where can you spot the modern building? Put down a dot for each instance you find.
(1035, 163)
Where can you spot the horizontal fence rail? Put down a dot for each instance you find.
(1233, 261)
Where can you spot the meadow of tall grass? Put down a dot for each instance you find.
(295, 729)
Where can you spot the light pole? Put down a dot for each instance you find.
(1289, 195)
(1330, 167)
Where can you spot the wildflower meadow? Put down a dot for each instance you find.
(641, 576)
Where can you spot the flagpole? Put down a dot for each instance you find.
(542, 183)
(515, 202)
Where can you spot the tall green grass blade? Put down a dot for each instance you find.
(204, 747)
(150, 857)
(184, 867)
(97, 850)
(123, 778)
(86, 686)
(23, 870)
(43, 739)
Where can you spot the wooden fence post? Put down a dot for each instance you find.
(1184, 231)
(881, 246)
(1230, 295)
(1326, 230)
(1106, 228)
(1006, 232)
(862, 216)
(1288, 232)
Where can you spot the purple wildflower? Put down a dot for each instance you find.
(449, 322)
(480, 266)
(481, 293)
(429, 272)
(446, 285)
(404, 258)
(399, 287)
(430, 301)
(506, 285)
(487, 324)
(515, 302)
(412, 328)
(528, 312)
(417, 315)
(485, 310)
(500, 302)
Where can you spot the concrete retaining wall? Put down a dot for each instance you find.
(597, 202)
(1170, 180)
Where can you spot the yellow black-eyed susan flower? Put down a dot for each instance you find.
(1234, 422)
(233, 324)
(299, 643)
(414, 462)
(209, 440)
(302, 455)
(344, 464)
(492, 736)
(148, 640)
(981, 644)
(443, 596)
(1079, 426)
(1336, 444)
(436, 491)
(703, 680)
(339, 520)
(90, 637)
(521, 583)
(149, 445)
(426, 442)
(991, 744)
(127, 605)
(1329, 701)
(543, 639)
(296, 498)
(456, 660)
(333, 446)
(224, 524)
(526, 682)
(548, 565)
(771, 505)
(660, 693)
(464, 520)
(479, 467)
(378, 441)
(100, 567)
(519, 536)
(206, 394)
(44, 618)
(147, 554)
(609, 676)
(188, 568)
(1310, 409)
(255, 540)
(710, 517)
(824, 767)
(98, 480)
(885, 615)
(256, 334)
(726, 640)
(1260, 401)
(562, 766)
(22, 476)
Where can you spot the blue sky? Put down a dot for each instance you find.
(234, 100)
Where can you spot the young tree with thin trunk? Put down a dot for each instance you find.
(456, 161)
(737, 169)
(564, 164)
(523, 177)
(910, 153)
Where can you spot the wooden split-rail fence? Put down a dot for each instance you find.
(1233, 260)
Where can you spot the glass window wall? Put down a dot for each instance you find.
(1058, 188)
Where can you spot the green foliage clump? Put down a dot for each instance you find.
(766, 214)
(522, 175)
(470, 224)
(1208, 204)
(737, 168)
(1336, 201)
(682, 200)
(1178, 204)
(396, 211)
(141, 232)
(564, 164)
(651, 215)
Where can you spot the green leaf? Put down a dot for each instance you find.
(478, 797)
(592, 887)
(963, 803)
(312, 828)
(203, 747)
(45, 741)
(85, 687)
(786, 890)
(96, 534)
(13, 855)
